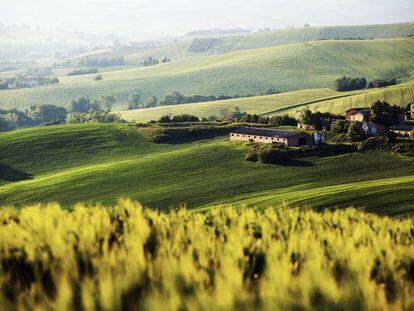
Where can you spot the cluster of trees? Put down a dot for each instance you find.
(78, 72)
(83, 105)
(382, 83)
(383, 113)
(12, 118)
(93, 116)
(271, 91)
(4, 85)
(268, 153)
(81, 110)
(274, 121)
(85, 110)
(45, 114)
(102, 62)
(20, 82)
(136, 101)
(176, 98)
(350, 84)
(35, 115)
(231, 115)
(178, 118)
(151, 61)
(318, 120)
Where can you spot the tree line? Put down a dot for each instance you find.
(136, 101)
(351, 84)
(78, 72)
(152, 61)
(21, 82)
(102, 62)
(82, 110)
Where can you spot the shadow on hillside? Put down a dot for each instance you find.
(297, 163)
(8, 173)
(326, 150)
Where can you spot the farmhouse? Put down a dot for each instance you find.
(272, 136)
(357, 115)
(372, 129)
(402, 130)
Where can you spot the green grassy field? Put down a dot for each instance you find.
(225, 44)
(400, 95)
(100, 163)
(325, 100)
(286, 68)
(256, 104)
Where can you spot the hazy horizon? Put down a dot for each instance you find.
(144, 19)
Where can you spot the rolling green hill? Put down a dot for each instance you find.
(225, 44)
(286, 68)
(400, 95)
(101, 163)
(256, 104)
(325, 100)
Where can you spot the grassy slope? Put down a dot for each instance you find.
(400, 95)
(103, 162)
(326, 100)
(226, 44)
(257, 104)
(300, 66)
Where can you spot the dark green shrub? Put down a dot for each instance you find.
(251, 155)
(354, 133)
(273, 154)
(161, 138)
(374, 143)
(339, 126)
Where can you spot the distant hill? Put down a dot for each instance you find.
(225, 44)
(218, 31)
(285, 68)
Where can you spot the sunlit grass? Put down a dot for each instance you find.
(125, 257)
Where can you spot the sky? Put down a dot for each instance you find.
(144, 19)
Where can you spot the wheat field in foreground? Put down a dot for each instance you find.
(126, 257)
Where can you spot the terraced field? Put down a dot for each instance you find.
(100, 163)
(285, 68)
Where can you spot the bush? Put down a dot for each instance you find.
(252, 153)
(47, 113)
(178, 118)
(354, 133)
(78, 72)
(5, 125)
(340, 126)
(374, 143)
(350, 84)
(382, 83)
(161, 138)
(272, 154)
